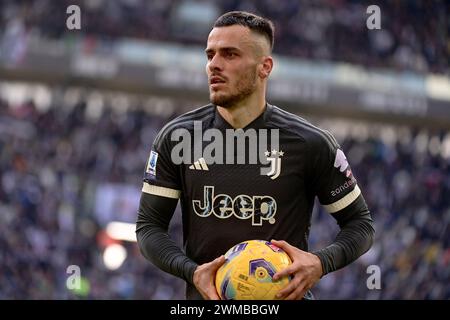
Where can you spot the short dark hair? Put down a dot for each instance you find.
(255, 23)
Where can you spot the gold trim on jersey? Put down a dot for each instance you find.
(161, 191)
(344, 202)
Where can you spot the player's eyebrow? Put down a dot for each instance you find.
(211, 50)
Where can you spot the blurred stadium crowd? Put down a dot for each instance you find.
(414, 34)
(52, 161)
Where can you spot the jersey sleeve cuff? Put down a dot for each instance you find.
(344, 202)
(161, 191)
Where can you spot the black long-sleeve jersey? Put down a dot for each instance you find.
(259, 183)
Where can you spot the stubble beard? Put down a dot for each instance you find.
(244, 87)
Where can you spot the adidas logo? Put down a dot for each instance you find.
(200, 164)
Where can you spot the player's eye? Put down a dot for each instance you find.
(209, 56)
(231, 54)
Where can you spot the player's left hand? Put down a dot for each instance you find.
(306, 270)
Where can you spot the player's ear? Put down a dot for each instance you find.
(266, 67)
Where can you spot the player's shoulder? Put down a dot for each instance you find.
(186, 121)
(302, 128)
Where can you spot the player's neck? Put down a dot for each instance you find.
(243, 113)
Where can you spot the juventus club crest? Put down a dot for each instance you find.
(274, 158)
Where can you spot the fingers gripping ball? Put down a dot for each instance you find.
(248, 271)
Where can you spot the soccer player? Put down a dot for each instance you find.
(233, 198)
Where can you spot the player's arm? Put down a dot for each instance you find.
(354, 238)
(340, 195)
(160, 193)
(155, 244)
(338, 192)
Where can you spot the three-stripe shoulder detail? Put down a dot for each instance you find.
(292, 121)
(199, 114)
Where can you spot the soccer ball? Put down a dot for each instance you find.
(248, 270)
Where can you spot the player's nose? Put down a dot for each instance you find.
(215, 64)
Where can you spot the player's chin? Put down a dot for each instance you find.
(217, 92)
(218, 98)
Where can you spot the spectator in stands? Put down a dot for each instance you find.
(413, 34)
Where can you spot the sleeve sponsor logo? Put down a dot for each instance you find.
(343, 187)
(340, 161)
(151, 165)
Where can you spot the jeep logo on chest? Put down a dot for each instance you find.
(243, 206)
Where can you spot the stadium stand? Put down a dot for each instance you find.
(58, 156)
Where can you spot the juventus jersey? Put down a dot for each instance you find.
(256, 183)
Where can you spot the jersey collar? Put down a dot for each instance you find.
(258, 123)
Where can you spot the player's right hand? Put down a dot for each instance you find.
(204, 278)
